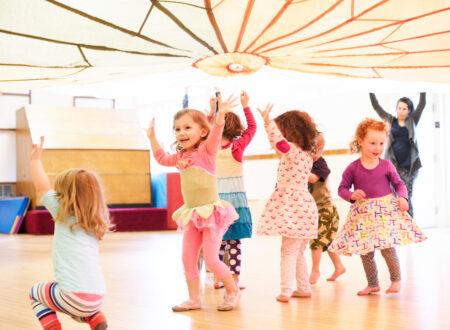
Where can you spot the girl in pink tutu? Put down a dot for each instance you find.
(291, 211)
(203, 218)
(377, 220)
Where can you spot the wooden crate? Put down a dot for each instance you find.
(109, 142)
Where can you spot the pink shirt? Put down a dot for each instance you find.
(203, 157)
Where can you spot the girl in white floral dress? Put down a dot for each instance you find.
(291, 211)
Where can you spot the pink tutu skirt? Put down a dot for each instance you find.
(215, 217)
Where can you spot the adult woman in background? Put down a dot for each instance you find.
(402, 148)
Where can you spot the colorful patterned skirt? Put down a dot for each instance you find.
(231, 189)
(375, 224)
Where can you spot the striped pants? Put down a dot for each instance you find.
(47, 298)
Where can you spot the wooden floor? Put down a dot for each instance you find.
(144, 277)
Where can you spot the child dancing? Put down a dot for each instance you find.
(328, 215)
(78, 207)
(203, 218)
(230, 183)
(377, 220)
(291, 211)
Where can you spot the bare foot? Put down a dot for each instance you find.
(394, 288)
(298, 294)
(282, 298)
(368, 290)
(314, 277)
(218, 285)
(336, 274)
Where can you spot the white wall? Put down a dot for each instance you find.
(337, 109)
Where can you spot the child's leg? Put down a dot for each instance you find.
(339, 268)
(390, 256)
(44, 306)
(222, 251)
(235, 255)
(316, 255)
(370, 268)
(289, 252)
(96, 321)
(48, 297)
(211, 246)
(303, 287)
(192, 241)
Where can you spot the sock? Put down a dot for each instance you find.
(95, 319)
(50, 322)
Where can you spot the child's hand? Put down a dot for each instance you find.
(403, 204)
(244, 99)
(227, 105)
(266, 112)
(37, 150)
(151, 129)
(358, 194)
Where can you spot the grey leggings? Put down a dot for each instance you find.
(370, 267)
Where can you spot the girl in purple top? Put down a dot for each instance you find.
(376, 220)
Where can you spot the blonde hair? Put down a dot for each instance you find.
(198, 117)
(80, 195)
(363, 128)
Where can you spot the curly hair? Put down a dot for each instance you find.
(299, 128)
(80, 194)
(233, 126)
(198, 117)
(363, 128)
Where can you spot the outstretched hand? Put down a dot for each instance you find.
(151, 129)
(224, 107)
(266, 112)
(227, 105)
(36, 151)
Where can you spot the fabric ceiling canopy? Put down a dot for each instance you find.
(46, 42)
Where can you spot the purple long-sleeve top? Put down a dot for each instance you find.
(374, 182)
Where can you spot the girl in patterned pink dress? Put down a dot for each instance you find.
(291, 211)
(203, 218)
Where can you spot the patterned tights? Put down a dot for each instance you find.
(370, 267)
(234, 254)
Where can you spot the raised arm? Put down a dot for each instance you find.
(379, 110)
(40, 179)
(214, 137)
(278, 143)
(418, 112)
(249, 133)
(161, 157)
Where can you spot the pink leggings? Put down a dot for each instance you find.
(193, 240)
